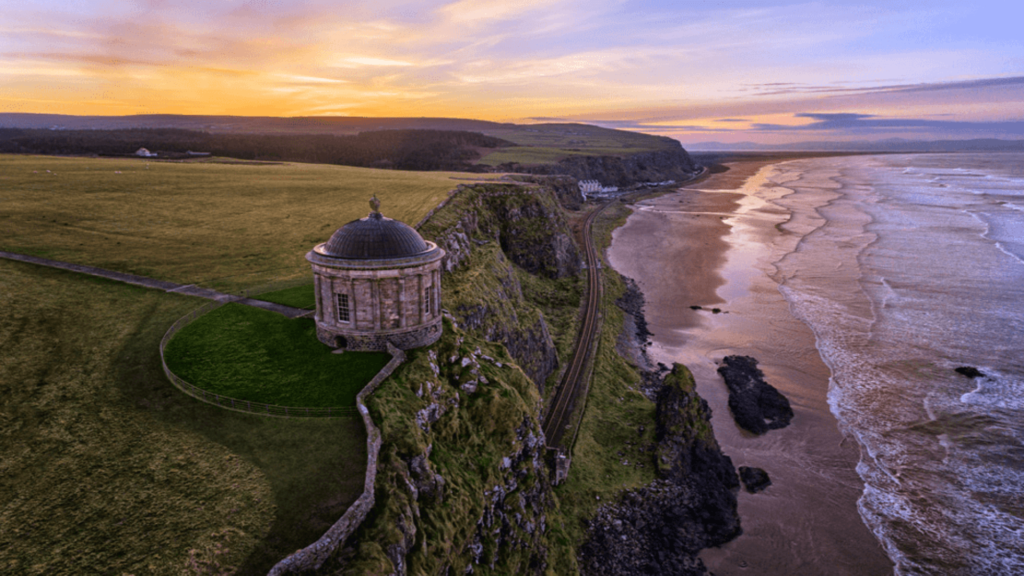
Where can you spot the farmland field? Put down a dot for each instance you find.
(220, 225)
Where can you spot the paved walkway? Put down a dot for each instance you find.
(189, 289)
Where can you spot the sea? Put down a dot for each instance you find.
(861, 283)
(908, 267)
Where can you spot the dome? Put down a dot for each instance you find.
(374, 238)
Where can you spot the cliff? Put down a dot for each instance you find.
(498, 238)
(659, 528)
(462, 485)
(461, 482)
(654, 166)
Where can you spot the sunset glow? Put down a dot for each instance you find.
(689, 72)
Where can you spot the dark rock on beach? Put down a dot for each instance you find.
(755, 405)
(660, 528)
(754, 479)
(970, 372)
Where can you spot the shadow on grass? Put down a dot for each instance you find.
(315, 467)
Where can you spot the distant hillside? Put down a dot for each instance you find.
(890, 145)
(399, 149)
(541, 143)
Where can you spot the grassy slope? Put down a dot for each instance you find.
(105, 468)
(252, 354)
(225, 226)
(549, 143)
(466, 448)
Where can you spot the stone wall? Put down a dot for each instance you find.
(405, 339)
(313, 556)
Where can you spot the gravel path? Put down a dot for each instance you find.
(188, 289)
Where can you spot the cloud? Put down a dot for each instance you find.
(856, 123)
(778, 88)
(489, 11)
(355, 61)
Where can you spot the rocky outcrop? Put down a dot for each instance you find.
(463, 487)
(635, 337)
(673, 163)
(525, 221)
(492, 234)
(969, 371)
(754, 479)
(515, 522)
(756, 405)
(660, 528)
(565, 188)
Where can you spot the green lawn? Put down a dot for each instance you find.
(298, 297)
(106, 468)
(223, 226)
(252, 354)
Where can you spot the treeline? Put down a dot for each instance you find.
(398, 149)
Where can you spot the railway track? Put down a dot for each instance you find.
(559, 413)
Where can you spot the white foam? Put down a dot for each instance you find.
(996, 391)
(892, 386)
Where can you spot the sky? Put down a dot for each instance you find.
(697, 70)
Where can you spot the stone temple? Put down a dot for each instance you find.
(377, 281)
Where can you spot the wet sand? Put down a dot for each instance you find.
(713, 246)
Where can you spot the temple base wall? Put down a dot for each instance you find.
(403, 338)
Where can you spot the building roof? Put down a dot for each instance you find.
(374, 238)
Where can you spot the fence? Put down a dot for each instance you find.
(236, 404)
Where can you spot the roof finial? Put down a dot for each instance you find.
(375, 204)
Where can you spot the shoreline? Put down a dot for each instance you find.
(681, 248)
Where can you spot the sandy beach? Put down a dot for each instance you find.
(712, 246)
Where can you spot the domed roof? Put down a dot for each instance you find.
(374, 238)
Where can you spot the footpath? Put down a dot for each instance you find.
(152, 283)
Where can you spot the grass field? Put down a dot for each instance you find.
(219, 225)
(298, 297)
(549, 143)
(252, 354)
(105, 468)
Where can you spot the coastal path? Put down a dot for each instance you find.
(152, 283)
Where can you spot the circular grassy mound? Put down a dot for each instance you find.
(252, 354)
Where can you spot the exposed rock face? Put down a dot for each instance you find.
(527, 223)
(754, 479)
(659, 529)
(656, 166)
(515, 523)
(755, 405)
(528, 229)
(463, 486)
(635, 338)
(565, 188)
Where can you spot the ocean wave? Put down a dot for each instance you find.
(941, 465)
